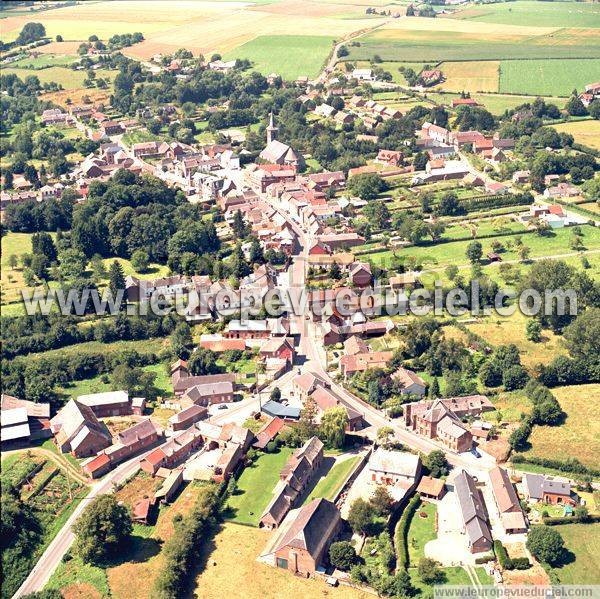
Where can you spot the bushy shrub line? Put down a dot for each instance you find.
(570, 466)
(181, 551)
(401, 533)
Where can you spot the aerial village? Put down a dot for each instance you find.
(373, 443)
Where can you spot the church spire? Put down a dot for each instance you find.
(271, 129)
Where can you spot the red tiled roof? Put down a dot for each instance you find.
(156, 457)
(97, 463)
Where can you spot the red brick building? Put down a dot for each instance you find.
(304, 538)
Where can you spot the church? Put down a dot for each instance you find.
(277, 152)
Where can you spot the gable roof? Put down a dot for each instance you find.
(394, 462)
(311, 527)
(34, 410)
(472, 508)
(407, 377)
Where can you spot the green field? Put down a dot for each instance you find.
(583, 543)
(453, 252)
(542, 14)
(44, 60)
(68, 78)
(438, 46)
(329, 485)
(287, 55)
(496, 103)
(255, 487)
(547, 77)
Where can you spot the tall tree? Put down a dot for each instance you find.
(116, 282)
(102, 529)
(333, 427)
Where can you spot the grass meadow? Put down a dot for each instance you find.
(68, 78)
(578, 436)
(287, 55)
(453, 252)
(543, 14)
(583, 543)
(330, 484)
(547, 77)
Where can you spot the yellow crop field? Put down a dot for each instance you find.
(232, 566)
(105, 19)
(474, 76)
(229, 31)
(584, 132)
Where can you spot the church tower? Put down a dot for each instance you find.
(271, 130)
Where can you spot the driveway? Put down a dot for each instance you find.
(451, 547)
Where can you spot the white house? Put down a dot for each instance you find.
(363, 74)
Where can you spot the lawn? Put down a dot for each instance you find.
(583, 542)
(287, 55)
(578, 436)
(547, 77)
(586, 133)
(255, 487)
(544, 14)
(420, 532)
(234, 571)
(329, 485)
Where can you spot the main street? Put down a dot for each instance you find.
(311, 348)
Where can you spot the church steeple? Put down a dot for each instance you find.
(271, 129)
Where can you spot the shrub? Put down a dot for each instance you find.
(401, 532)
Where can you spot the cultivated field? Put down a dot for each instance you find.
(584, 132)
(287, 55)
(552, 14)
(547, 77)
(470, 76)
(423, 39)
(232, 566)
(232, 24)
(578, 436)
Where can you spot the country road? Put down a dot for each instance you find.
(49, 560)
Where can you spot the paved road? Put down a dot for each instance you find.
(311, 348)
(61, 543)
